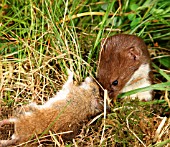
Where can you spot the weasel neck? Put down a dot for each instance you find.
(140, 79)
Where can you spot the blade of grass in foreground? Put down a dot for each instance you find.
(160, 86)
(161, 144)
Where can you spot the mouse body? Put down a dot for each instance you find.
(124, 65)
(66, 111)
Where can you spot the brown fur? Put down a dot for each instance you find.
(81, 103)
(121, 55)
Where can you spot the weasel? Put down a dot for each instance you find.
(124, 65)
(64, 112)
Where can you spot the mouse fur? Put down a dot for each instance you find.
(66, 111)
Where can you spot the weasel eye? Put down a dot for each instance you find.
(114, 83)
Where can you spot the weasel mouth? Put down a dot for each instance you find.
(111, 93)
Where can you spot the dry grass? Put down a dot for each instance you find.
(128, 125)
(21, 84)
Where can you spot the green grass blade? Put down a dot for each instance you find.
(160, 86)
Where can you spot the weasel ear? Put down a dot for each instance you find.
(134, 53)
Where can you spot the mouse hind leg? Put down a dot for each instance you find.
(5, 122)
(6, 143)
(13, 141)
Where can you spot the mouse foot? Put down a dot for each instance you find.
(5, 143)
(4, 122)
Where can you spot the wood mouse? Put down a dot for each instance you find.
(66, 111)
(124, 65)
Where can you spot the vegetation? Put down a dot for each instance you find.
(40, 39)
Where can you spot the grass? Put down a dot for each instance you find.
(39, 40)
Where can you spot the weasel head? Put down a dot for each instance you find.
(121, 55)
